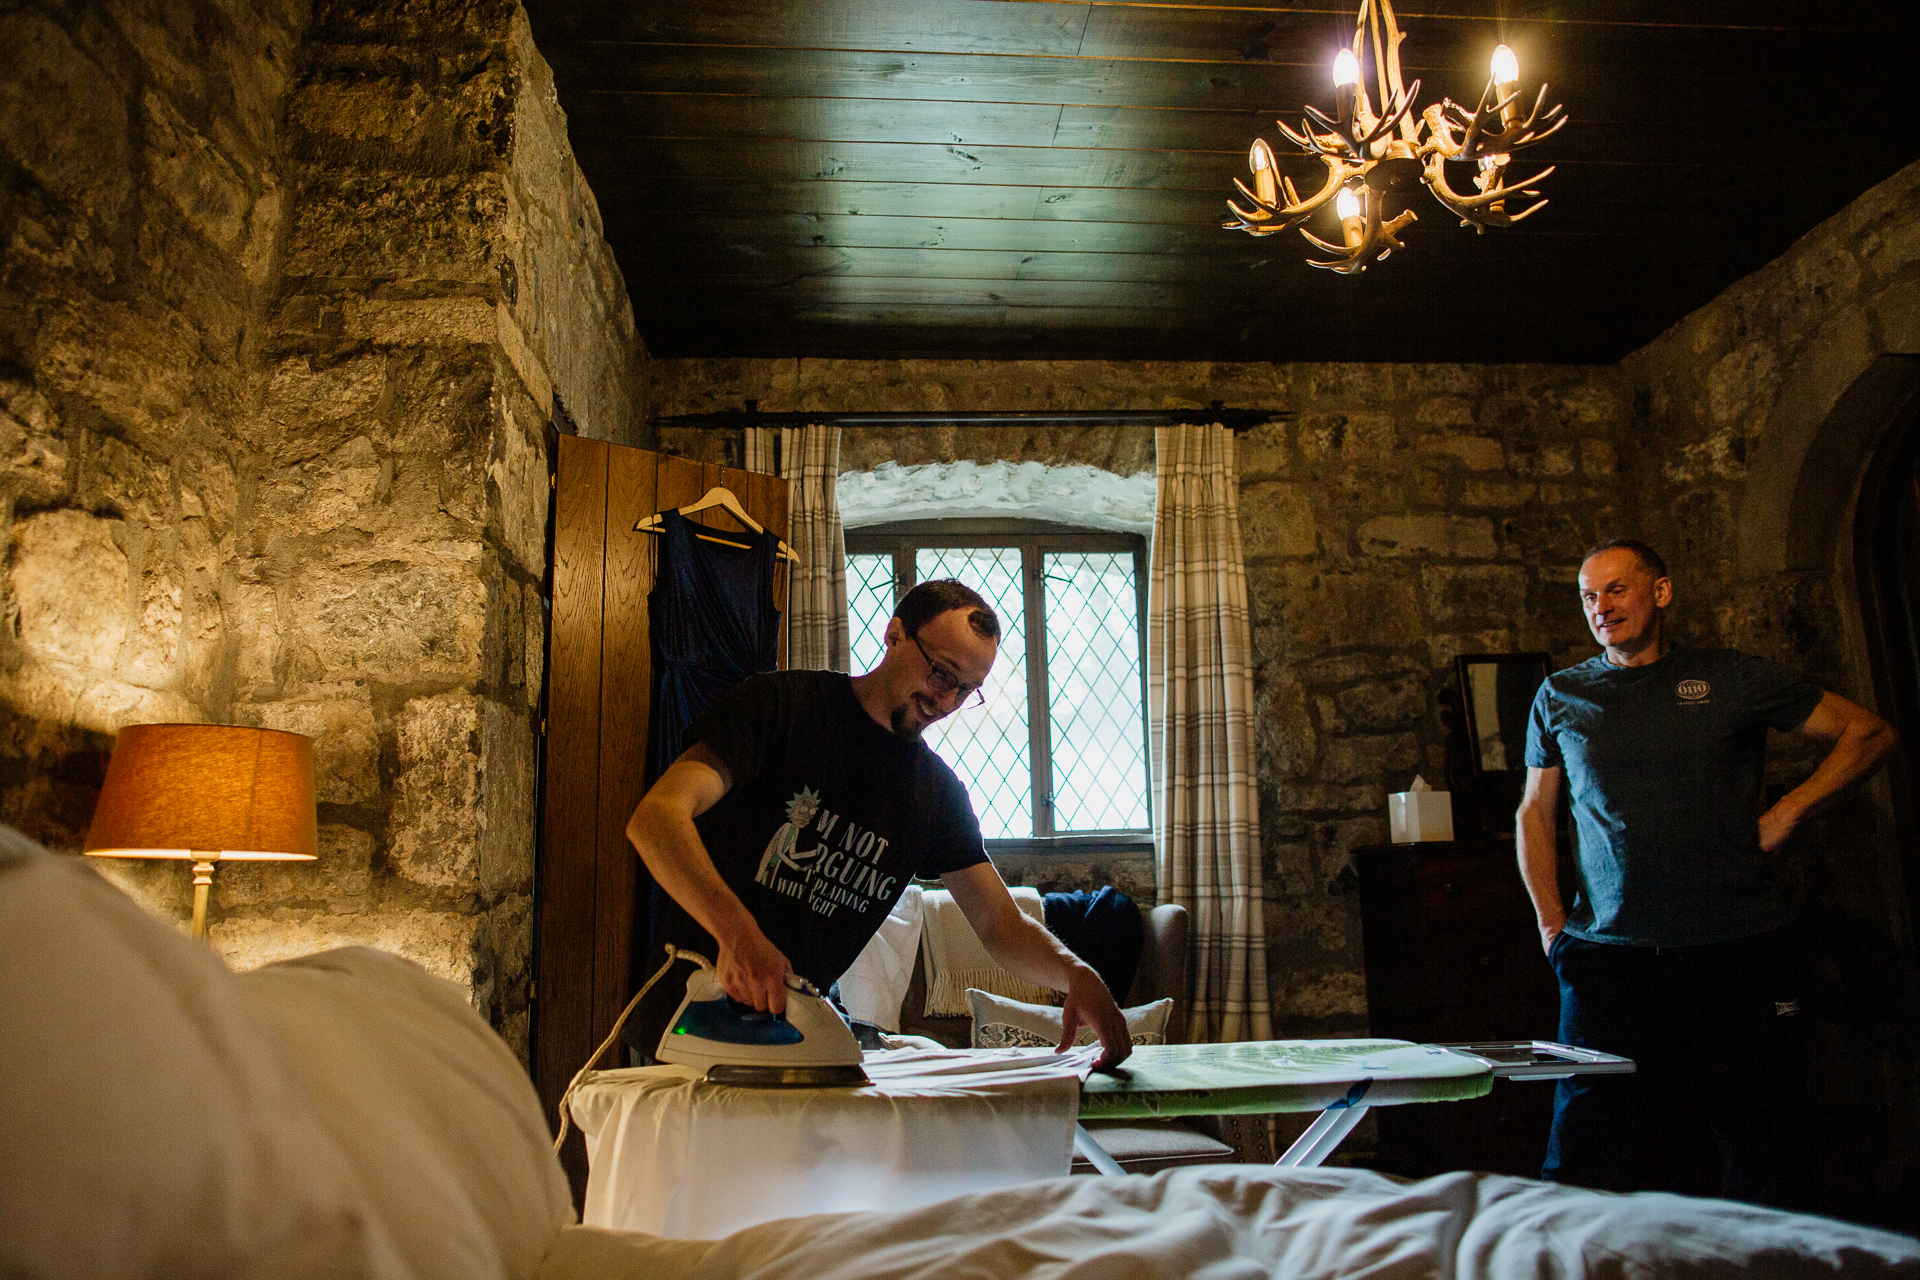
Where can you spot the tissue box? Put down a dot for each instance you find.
(1419, 815)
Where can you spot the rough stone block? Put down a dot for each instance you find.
(346, 746)
(341, 880)
(1276, 519)
(1331, 607)
(421, 322)
(323, 494)
(1490, 594)
(441, 403)
(152, 653)
(388, 226)
(1403, 704)
(1497, 495)
(534, 615)
(1368, 757)
(33, 456)
(382, 620)
(310, 411)
(434, 833)
(1743, 383)
(517, 469)
(213, 195)
(122, 480)
(253, 616)
(136, 369)
(70, 584)
(110, 706)
(1453, 536)
(209, 493)
(60, 117)
(506, 800)
(1547, 539)
(1285, 741)
(1450, 411)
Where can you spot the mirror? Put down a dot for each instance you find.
(1497, 692)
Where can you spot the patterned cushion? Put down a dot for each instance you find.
(1000, 1023)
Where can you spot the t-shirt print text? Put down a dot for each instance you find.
(1692, 693)
(825, 877)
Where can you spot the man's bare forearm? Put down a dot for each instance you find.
(1538, 854)
(669, 844)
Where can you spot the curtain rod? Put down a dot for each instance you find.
(1234, 419)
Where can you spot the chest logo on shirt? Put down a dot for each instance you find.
(842, 869)
(1693, 690)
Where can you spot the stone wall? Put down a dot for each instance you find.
(290, 303)
(1408, 513)
(1757, 441)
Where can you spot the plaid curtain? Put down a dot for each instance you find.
(808, 458)
(1200, 725)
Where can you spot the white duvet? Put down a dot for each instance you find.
(1228, 1222)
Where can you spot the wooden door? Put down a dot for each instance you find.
(599, 689)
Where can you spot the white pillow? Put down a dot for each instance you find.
(434, 1113)
(874, 986)
(149, 1130)
(1000, 1023)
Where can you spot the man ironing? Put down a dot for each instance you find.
(1673, 953)
(788, 829)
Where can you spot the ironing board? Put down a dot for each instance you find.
(1338, 1078)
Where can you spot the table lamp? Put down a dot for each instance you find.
(207, 792)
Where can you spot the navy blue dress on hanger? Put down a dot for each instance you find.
(714, 624)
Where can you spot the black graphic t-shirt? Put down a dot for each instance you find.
(828, 818)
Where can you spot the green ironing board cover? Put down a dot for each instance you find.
(1260, 1077)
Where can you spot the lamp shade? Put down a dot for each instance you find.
(206, 791)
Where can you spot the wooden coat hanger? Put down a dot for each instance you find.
(722, 497)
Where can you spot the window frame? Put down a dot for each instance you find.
(903, 540)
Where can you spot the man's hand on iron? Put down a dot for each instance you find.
(1090, 1004)
(754, 971)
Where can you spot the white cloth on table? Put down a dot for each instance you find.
(876, 982)
(956, 958)
(673, 1155)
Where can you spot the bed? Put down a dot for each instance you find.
(347, 1115)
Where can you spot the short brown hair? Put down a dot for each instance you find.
(928, 600)
(1649, 558)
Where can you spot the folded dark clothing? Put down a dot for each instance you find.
(1104, 929)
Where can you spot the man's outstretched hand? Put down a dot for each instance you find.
(1090, 1004)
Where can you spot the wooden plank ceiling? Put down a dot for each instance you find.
(1025, 179)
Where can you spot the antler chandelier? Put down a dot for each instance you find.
(1374, 161)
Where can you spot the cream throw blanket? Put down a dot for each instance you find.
(955, 959)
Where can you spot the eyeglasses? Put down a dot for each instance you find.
(944, 682)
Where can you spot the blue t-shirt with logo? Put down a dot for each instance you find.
(1663, 765)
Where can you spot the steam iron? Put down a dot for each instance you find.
(810, 1047)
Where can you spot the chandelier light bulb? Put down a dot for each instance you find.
(1346, 204)
(1506, 67)
(1346, 68)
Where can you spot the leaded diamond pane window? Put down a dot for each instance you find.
(1093, 678)
(869, 605)
(1058, 750)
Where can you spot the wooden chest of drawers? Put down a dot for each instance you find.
(1452, 955)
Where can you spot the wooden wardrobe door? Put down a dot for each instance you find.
(599, 683)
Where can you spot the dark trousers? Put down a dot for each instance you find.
(1713, 1108)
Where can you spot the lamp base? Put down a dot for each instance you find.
(202, 885)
